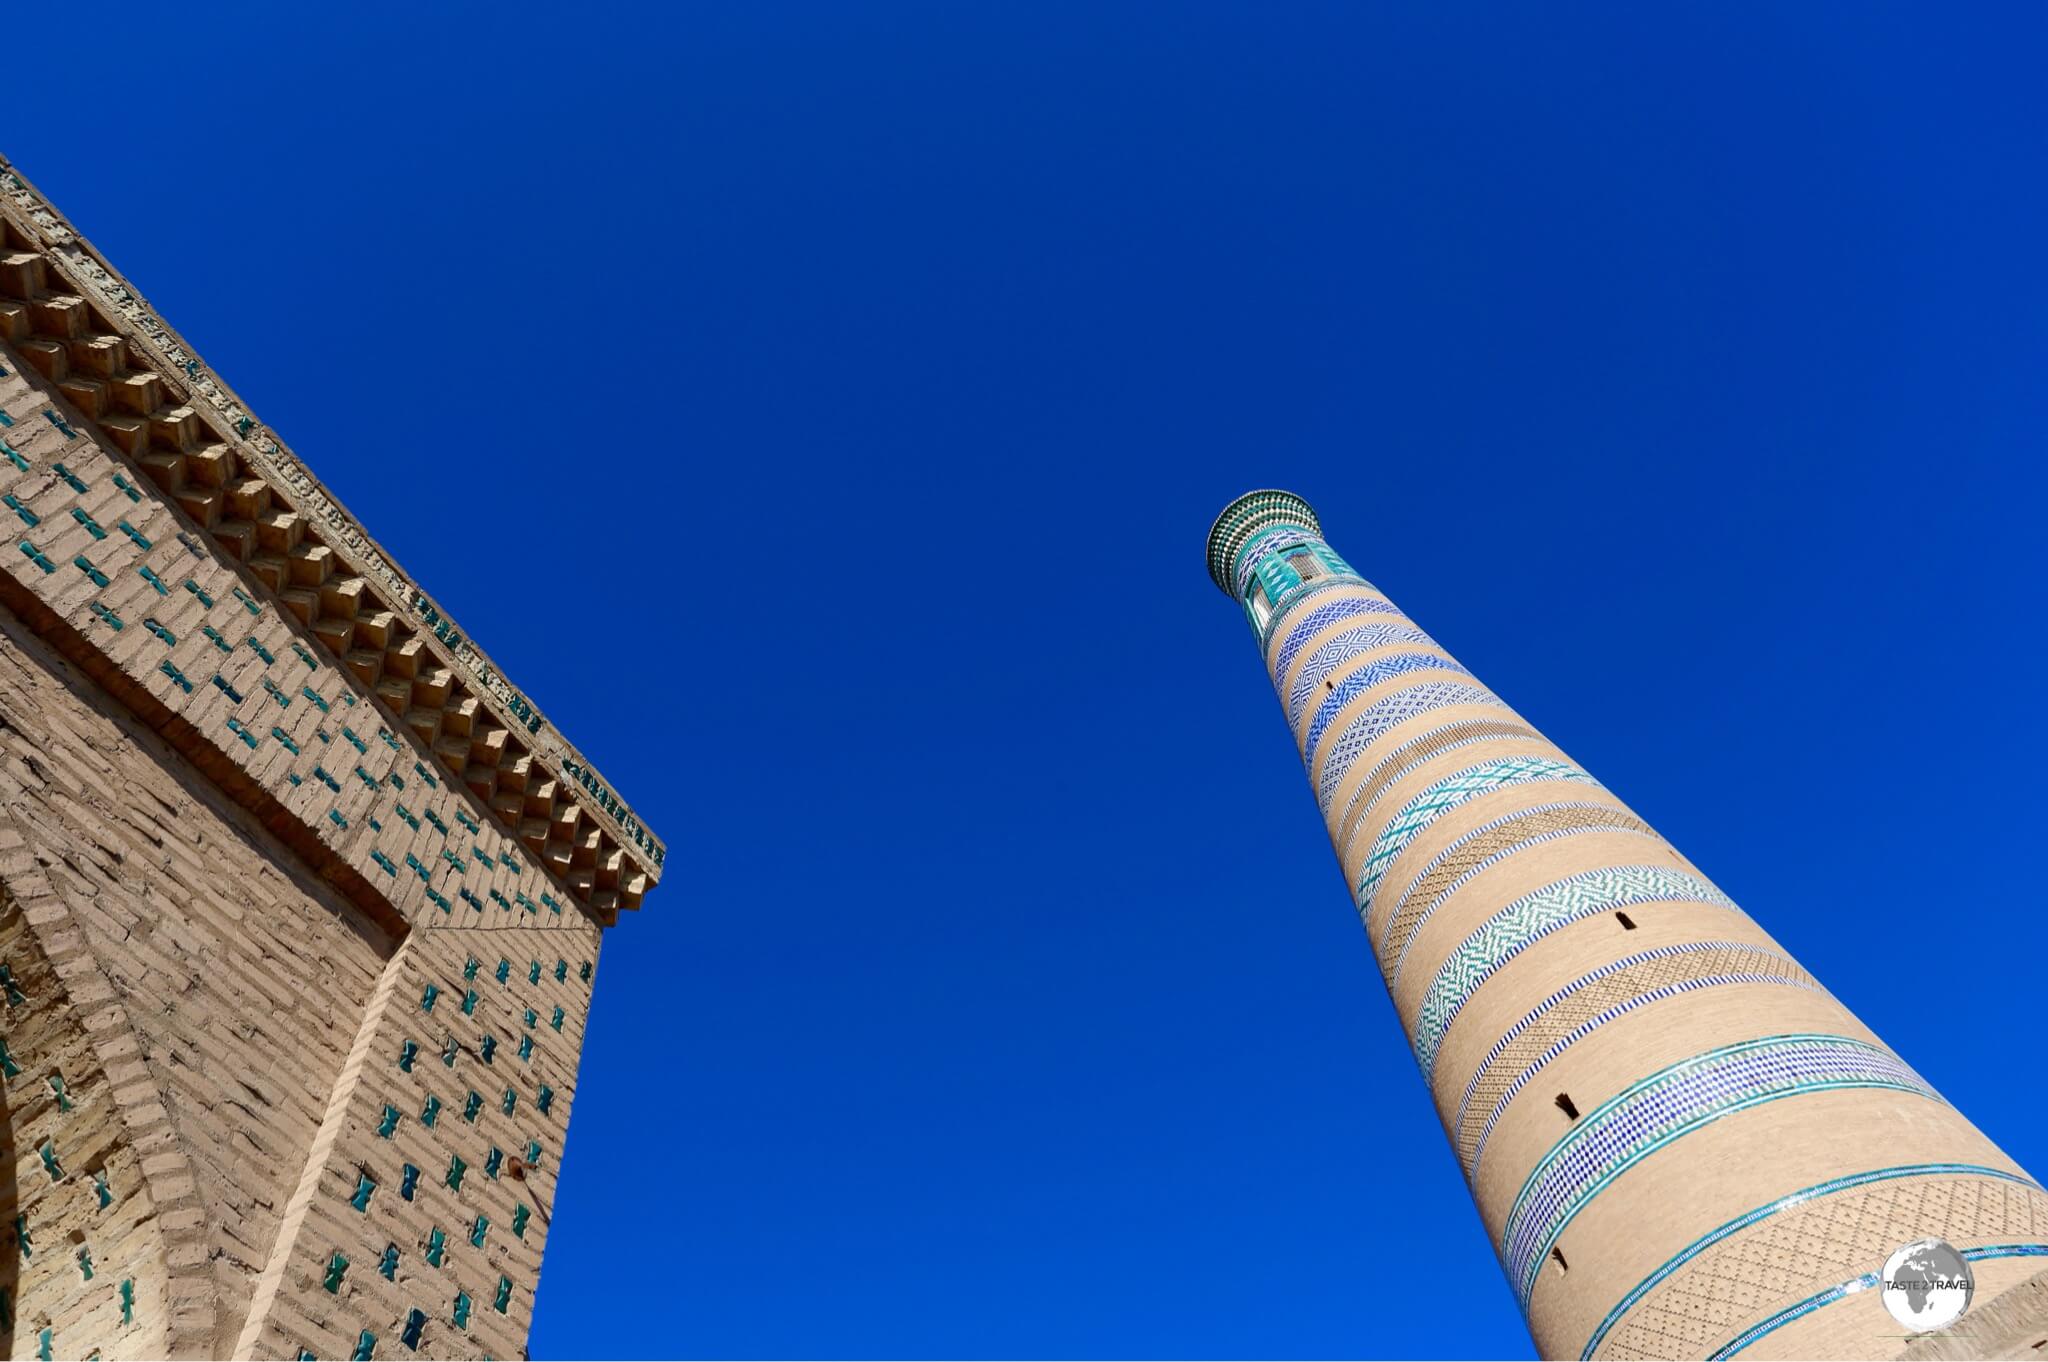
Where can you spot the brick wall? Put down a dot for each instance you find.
(242, 977)
(307, 936)
(455, 1062)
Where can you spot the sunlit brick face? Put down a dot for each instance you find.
(300, 901)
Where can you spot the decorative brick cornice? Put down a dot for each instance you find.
(264, 455)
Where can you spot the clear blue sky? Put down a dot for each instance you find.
(818, 410)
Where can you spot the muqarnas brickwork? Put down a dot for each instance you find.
(300, 901)
(1680, 1144)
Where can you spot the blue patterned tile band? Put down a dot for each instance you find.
(1769, 1209)
(1339, 649)
(1302, 597)
(1447, 794)
(1764, 972)
(1370, 723)
(1531, 918)
(1412, 925)
(1407, 758)
(1364, 679)
(1322, 617)
(1472, 835)
(1668, 1105)
(1851, 1287)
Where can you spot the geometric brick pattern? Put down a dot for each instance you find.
(1364, 679)
(1448, 793)
(162, 910)
(239, 683)
(1843, 1290)
(190, 913)
(1351, 607)
(1577, 1009)
(1306, 595)
(466, 1068)
(1535, 915)
(1484, 846)
(77, 1218)
(1405, 757)
(1751, 1268)
(1341, 648)
(300, 902)
(56, 310)
(1366, 727)
(1669, 1104)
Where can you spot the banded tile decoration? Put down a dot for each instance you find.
(1302, 597)
(1363, 680)
(1669, 1105)
(1341, 648)
(1448, 793)
(1849, 1288)
(1856, 1241)
(1591, 1001)
(1379, 717)
(1485, 846)
(1408, 756)
(1532, 917)
(1322, 617)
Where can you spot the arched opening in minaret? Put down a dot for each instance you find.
(1567, 1106)
(1628, 924)
(1562, 1265)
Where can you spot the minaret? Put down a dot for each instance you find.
(1681, 1144)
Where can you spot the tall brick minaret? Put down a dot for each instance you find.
(1681, 1145)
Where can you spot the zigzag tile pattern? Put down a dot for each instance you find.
(1339, 649)
(1448, 793)
(1531, 918)
(1407, 757)
(1590, 1002)
(1484, 847)
(1322, 617)
(1303, 597)
(1668, 1105)
(1364, 679)
(1369, 724)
